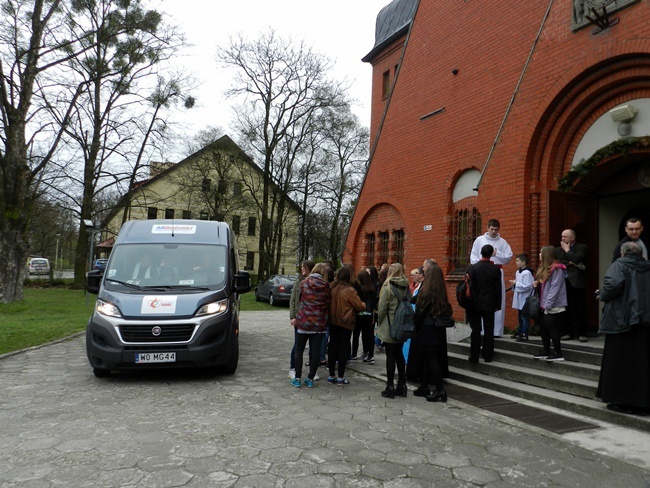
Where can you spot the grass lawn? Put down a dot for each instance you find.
(47, 314)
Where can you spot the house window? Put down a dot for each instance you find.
(236, 223)
(169, 213)
(152, 213)
(384, 239)
(206, 184)
(237, 188)
(187, 214)
(398, 237)
(370, 238)
(466, 227)
(250, 260)
(251, 226)
(204, 216)
(385, 84)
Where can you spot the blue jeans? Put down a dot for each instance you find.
(524, 322)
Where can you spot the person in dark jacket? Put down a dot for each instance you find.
(624, 382)
(574, 256)
(634, 232)
(311, 322)
(486, 290)
(432, 301)
(365, 324)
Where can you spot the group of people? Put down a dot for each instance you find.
(333, 311)
(560, 283)
(339, 308)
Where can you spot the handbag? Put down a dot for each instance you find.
(444, 320)
(531, 307)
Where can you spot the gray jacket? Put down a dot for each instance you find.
(626, 293)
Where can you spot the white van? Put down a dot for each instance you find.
(169, 297)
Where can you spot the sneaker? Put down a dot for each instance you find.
(342, 381)
(316, 377)
(292, 373)
(555, 357)
(331, 379)
(541, 355)
(582, 339)
(515, 335)
(522, 338)
(323, 363)
(353, 358)
(369, 360)
(296, 382)
(566, 337)
(309, 383)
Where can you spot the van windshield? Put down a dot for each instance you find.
(184, 265)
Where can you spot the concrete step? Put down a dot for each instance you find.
(549, 377)
(521, 357)
(571, 403)
(577, 352)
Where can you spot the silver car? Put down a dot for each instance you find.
(38, 266)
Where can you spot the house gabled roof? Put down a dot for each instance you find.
(224, 142)
(393, 22)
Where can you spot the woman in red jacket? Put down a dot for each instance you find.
(343, 310)
(311, 322)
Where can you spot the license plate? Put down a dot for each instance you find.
(155, 357)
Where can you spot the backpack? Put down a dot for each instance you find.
(403, 326)
(464, 293)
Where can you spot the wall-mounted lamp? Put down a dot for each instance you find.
(623, 114)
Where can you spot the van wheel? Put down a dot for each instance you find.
(271, 299)
(101, 373)
(231, 366)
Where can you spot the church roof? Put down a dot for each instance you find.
(392, 21)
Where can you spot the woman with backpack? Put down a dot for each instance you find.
(394, 290)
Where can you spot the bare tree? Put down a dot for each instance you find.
(346, 145)
(282, 85)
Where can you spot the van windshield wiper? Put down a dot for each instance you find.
(124, 283)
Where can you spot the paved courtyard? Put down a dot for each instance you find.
(61, 426)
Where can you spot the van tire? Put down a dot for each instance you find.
(101, 373)
(231, 366)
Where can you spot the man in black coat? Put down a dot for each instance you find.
(486, 289)
(633, 229)
(574, 257)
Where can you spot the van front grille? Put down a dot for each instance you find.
(147, 332)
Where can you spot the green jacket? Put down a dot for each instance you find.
(388, 303)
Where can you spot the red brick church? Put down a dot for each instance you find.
(533, 113)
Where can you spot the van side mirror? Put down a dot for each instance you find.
(242, 282)
(94, 279)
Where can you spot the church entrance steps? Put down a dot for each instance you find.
(569, 385)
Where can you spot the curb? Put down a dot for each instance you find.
(32, 348)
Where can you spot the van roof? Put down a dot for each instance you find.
(174, 231)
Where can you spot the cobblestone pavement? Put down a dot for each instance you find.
(61, 426)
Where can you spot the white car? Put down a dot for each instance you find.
(38, 266)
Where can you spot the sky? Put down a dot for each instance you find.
(343, 30)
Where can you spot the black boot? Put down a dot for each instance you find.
(440, 395)
(389, 392)
(401, 389)
(422, 391)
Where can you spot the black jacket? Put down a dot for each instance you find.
(617, 249)
(577, 255)
(486, 285)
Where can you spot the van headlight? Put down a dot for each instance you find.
(106, 308)
(214, 308)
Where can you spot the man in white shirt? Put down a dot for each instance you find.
(502, 255)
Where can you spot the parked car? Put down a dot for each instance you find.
(275, 289)
(38, 266)
(100, 264)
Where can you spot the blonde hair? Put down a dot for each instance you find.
(395, 269)
(320, 268)
(545, 264)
